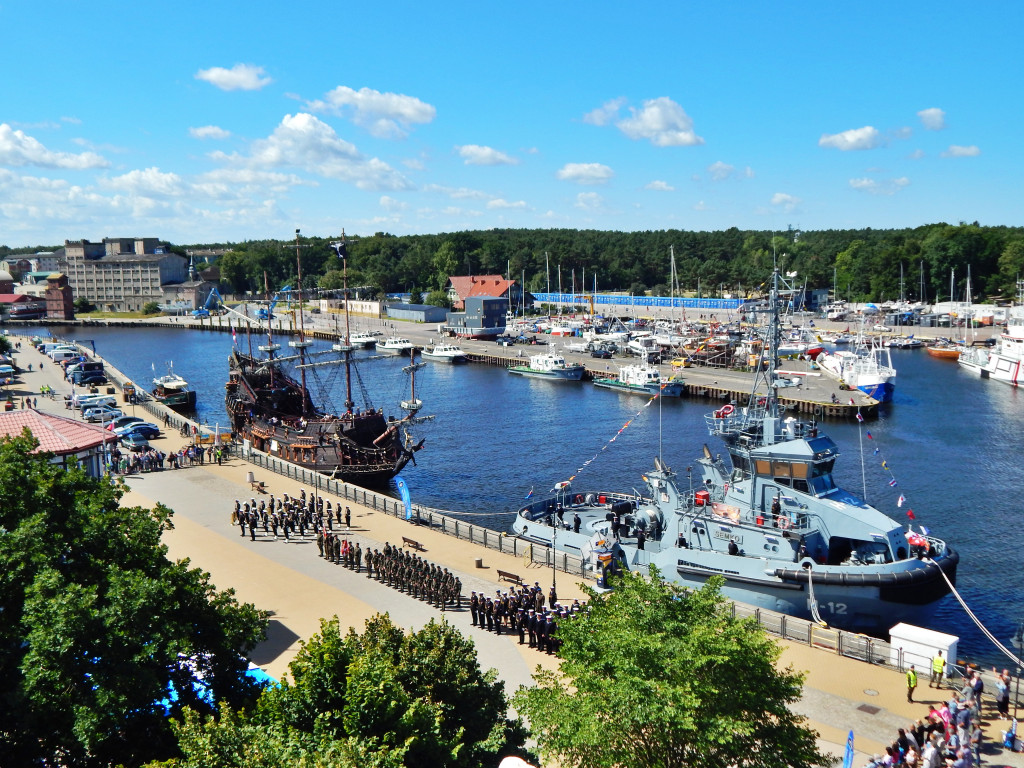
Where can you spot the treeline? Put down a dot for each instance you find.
(862, 265)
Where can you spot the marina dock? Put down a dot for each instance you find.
(811, 393)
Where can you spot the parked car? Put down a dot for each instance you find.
(681, 362)
(135, 443)
(121, 421)
(91, 379)
(101, 413)
(147, 431)
(505, 341)
(602, 354)
(134, 426)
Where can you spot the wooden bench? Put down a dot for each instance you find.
(257, 485)
(506, 576)
(412, 543)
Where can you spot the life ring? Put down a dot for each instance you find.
(726, 410)
(579, 498)
(785, 523)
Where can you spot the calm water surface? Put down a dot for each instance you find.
(954, 444)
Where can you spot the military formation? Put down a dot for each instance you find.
(286, 517)
(520, 611)
(300, 515)
(523, 612)
(412, 574)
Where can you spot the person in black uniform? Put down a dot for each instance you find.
(521, 625)
(473, 607)
(348, 517)
(576, 522)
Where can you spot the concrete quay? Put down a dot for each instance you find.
(299, 588)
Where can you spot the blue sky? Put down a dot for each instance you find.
(224, 121)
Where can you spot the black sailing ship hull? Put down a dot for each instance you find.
(273, 412)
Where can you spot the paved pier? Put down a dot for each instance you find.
(299, 589)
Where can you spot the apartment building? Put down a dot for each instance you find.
(122, 274)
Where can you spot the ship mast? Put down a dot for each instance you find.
(302, 343)
(341, 248)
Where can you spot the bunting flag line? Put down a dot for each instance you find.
(901, 499)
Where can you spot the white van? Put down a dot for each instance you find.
(49, 346)
(6, 371)
(60, 355)
(95, 401)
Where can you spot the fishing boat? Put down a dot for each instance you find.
(271, 407)
(863, 368)
(550, 365)
(1003, 361)
(445, 353)
(173, 391)
(768, 518)
(394, 345)
(642, 379)
(363, 339)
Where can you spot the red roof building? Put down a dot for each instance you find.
(490, 286)
(71, 442)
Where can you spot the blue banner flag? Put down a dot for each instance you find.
(848, 755)
(530, 493)
(403, 489)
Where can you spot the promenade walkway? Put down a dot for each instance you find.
(299, 589)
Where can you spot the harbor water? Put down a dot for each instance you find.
(951, 442)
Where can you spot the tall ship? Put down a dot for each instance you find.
(270, 406)
(767, 517)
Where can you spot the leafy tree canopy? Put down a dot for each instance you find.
(655, 675)
(380, 698)
(98, 624)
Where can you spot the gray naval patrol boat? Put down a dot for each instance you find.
(770, 520)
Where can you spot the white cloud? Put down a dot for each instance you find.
(384, 115)
(208, 132)
(474, 154)
(917, 154)
(589, 201)
(606, 113)
(19, 149)
(663, 122)
(933, 119)
(958, 151)
(391, 205)
(700, 205)
(151, 181)
(457, 193)
(787, 202)
(660, 186)
(499, 203)
(303, 141)
(241, 77)
(886, 187)
(71, 120)
(585, 173)
(748, 172)
(414, 164)
(855, 138)
(720, 171)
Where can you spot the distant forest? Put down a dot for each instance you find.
(862, 265)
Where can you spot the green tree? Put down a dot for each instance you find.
(655, 675)
(439, 298)
(151, 308)
(82, 305)
(98, 623)
(446, 264)
(1011, 267)
(421, 696)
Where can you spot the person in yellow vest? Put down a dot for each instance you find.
(938, 670)
(911, 683)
